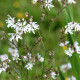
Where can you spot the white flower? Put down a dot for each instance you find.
(48, 3)
(71, 78)
(4, 57)
(71, 1)
(64, 44)
(20, 27)
(53, 74)
(65, 67)
(34, 1)
(29, 56)
(3, 66)
(11, 22)
(14, 37)
(14, 53)
(32, 27)
(1, 70)
(72, 27)
(41, 59)
(29, 66)
(77, 47)
(69, 52)
(25, 58)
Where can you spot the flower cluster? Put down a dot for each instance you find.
(30, 60)
(69, 50)
(52, 75)
(41, 59)
(70, 1)
(46, 3)
(21, 26)
(4, 62)
(71, 27)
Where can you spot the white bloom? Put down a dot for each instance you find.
(29, 66)
(77, 47)
(48, 3)
(14, 53)
(34, 1)
(14, 37)
(72, 27)
(64, 44)
(65, 67)
(3, 67)
(25, 58)
(20, 27)
(53, 74)
(71, 1)
(71, 78)
(11, 22)
(1, 70)
(32, 27)
(4, 57)
(29, 56)
(69, 52)
(41, 59)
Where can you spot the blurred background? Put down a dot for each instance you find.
(50, 31)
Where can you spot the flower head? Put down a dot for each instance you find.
(53, 74)
(48, 3)
(29, 66)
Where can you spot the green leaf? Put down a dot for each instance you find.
(70, 39)
(75, 62)
(61, 75)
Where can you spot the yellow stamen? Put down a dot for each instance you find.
(64, 47)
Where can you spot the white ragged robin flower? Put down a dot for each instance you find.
(72, 27)
(27, 57)
(69, 52)
(71, 1)
(48, 3)
(10, 22)
(77, 47)
(29, 66)
(32, 26)
(53, 74)
(64, 44)
(41, 59)
(4, 62)
(3, 67)
(14, 37)
(20, 26)
(4, 57)
(65, 67)
(34, 1)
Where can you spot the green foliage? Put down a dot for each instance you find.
(75, 62)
